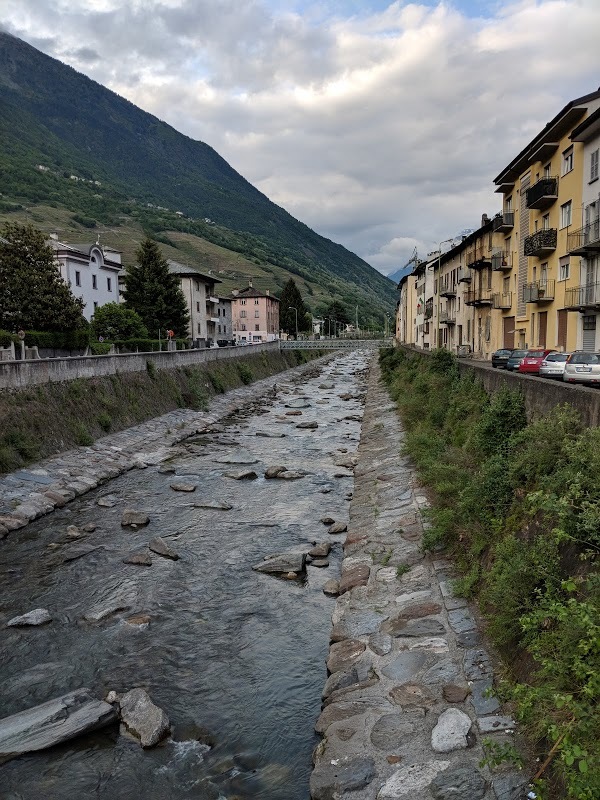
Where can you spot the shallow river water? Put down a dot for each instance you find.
(234, 657)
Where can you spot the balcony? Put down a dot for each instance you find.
(542, 194)
(447, 317)
(502, 300)
(478, 297)
(464, 275)
(429, 309)
(503, 223)
(213, 300)
(447, 289)
(541, 243)
(478, 257)
(582, 298)
(586, 240)
(538, 292)
(502, 261)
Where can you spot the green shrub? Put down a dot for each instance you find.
(105, 421)
(245, 373)
(82, 435)
(151, 369)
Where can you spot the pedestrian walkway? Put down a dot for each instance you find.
(407, 705)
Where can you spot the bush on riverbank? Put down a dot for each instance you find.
(43, 420)
(519, 506)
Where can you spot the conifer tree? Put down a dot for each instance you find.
(33, 295)
(155, 293)
(291, 299)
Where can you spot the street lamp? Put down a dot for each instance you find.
(293, 308)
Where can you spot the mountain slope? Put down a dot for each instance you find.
(54, 116)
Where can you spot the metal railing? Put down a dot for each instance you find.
(502, 300)
(538, 291)
(464, 275)
(581, 297)
(447, 288)
(502, 261)
(447, 317)
(540, 243)
(478, 297)
(585, 240)
(504, 221)
(543, 193)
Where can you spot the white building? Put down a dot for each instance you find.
(91, 270)
(202, 302)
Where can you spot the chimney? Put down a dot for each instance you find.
(267, 293)
(250, 282)
(54, 236)
(235, 292)
(484, 220)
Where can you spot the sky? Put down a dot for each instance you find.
(379, 124)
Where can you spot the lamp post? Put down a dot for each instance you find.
(293, 308)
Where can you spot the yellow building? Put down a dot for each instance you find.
(542, 202)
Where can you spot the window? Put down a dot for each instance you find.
(509, 203)
(257, 327)
(567, 161)
(546, 222)
(197, 286)
(564, 268)
(95, 305)
(199, 328)
(109, 284)
(243, 327)
(77, 278)
(94, 281)
(224, 328)
(197, 305)
(257, 314)
(566, 214)
(547, 171)
(243, 313)
(594, 165)
(243, 302)
(256, 302)
(218, 329)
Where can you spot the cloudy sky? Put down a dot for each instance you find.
(380, 124)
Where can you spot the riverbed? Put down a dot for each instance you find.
(235, 658)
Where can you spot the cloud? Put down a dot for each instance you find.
(380, 125)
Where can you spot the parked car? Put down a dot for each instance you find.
(582, 367)
(516, 356)
(499, 358)
(532, 361)
(553, 366)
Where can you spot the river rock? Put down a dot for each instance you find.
(410, 780)
(333, 778)
(131, 517)
(290, 475)
(293, 413)
(183, 487)
(270, 434)
(300, 403)
(73, 532)
(237, 458)
(451, 731)
(308, 425)
(320, 562)
(274, 472)
(90, 527)
(217, 505)
(354, 576)
(320, 550)
(137, 619)
(327, 520)
(462, 782)
(282, 563)
(105, 502)
(140, 559)
(242, 475)
(39, 616)
(53, 722)
(161, 548)
(326, 386)
(143, 719)
(331, 587)
(337, 527)
(343, 655)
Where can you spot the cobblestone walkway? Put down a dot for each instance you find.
(406, 706)
(30, 493)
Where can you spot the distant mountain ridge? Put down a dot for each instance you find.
(51, 114)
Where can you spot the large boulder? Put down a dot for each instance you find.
(131, 517)
(143, 719)
(53, 722)
(39, 616)
(282, 563)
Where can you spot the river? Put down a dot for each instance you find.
(235, 658)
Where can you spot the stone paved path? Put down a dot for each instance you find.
(30, 493)
(406, 705)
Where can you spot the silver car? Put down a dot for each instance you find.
(553, 366)
(582, 367)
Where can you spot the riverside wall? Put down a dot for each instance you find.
(21, 374)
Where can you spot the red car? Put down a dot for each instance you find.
(533, 361)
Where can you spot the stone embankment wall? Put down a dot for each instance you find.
(19, 374)
(541, 395)
(406, 706)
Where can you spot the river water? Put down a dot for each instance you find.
(234, 657)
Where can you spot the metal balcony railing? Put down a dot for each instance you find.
(581, 297)
(447, 317)
(502, 261)
(543, 193)
(540, 243)
(478, 257)
(464, 275)
(504, 222)
(447, 289)
(429, 309)
(585, 240)
(502, 300)
(478, 297)
(538, 291)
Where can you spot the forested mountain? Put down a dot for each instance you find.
(133, 167)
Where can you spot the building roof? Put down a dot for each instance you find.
(192, 272)
(250, 291)
(588, 128)
(544, 144)
(84, 250)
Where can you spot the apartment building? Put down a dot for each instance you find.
(530, 276)
(202, 302)
(255, 315)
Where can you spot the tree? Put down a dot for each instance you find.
(291, 299)
(33, 295)
(155, 293)
(337, 312)
(114, 321)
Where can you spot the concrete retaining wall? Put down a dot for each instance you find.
(541, 395)
(20, 374)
